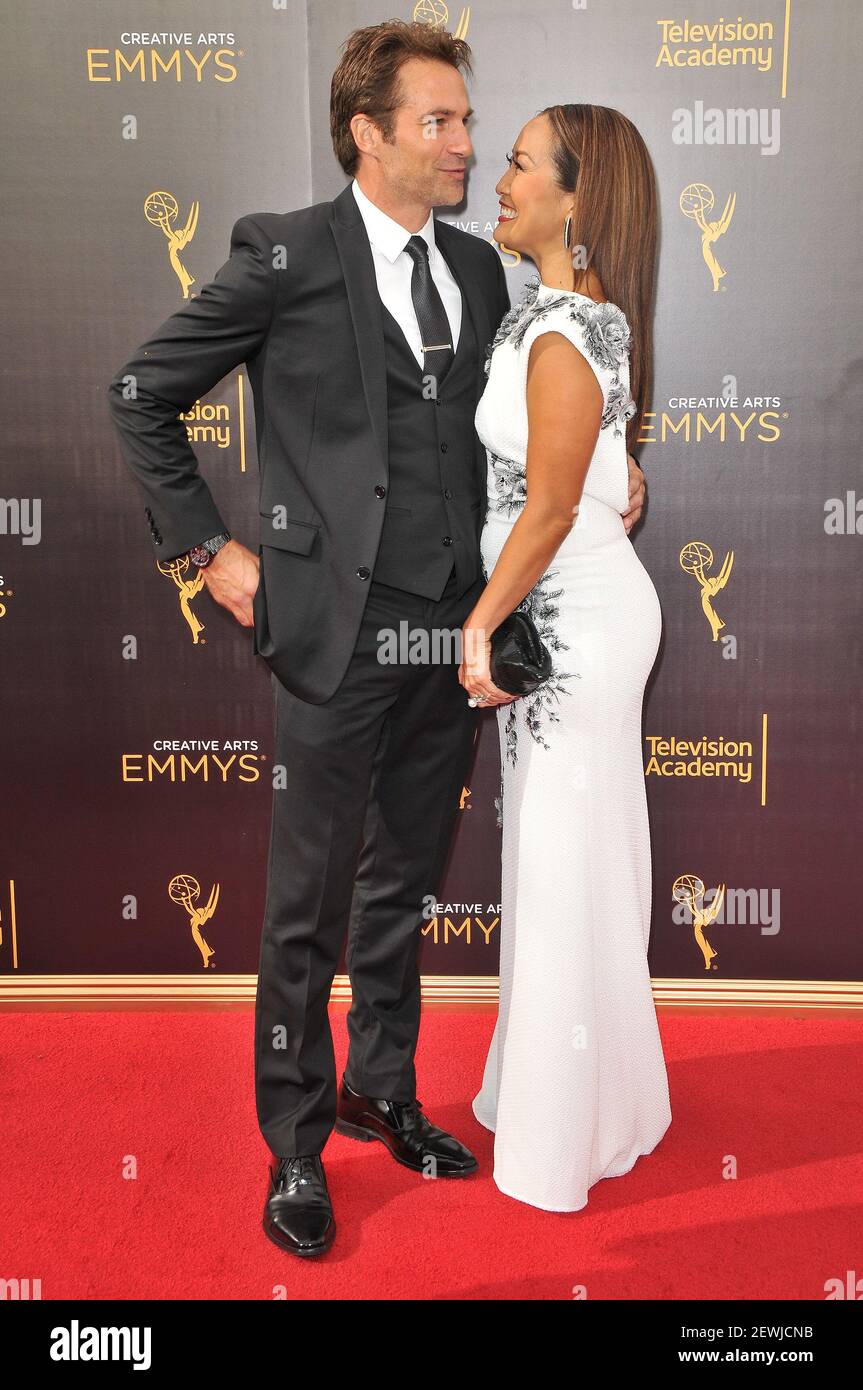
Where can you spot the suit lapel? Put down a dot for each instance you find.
(358, 268)
(452, 249)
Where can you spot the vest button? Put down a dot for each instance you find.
(447, 540)
(447, 494)
(380, 490)
(363, 572)
(444, 447)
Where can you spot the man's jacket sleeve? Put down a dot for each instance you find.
(191, 352)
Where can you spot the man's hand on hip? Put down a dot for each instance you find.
(637, 492)
(232, 579)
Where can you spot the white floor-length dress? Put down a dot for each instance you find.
(575, 1085)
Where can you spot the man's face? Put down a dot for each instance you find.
(431, 146)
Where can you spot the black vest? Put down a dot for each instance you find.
(432, 515)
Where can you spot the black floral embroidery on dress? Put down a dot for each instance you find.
(540, 605)
(510, 318)
(498, 802)
(510, 484)
(619, 406)
(533, 310)
(607, 340)
(607, 335)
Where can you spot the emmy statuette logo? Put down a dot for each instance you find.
(185, 890)
(689, 890)
(696, 201)
(177, 570)
(436, 15)
(161, 210)
(695, 558)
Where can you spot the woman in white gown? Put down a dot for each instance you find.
(575, 1085)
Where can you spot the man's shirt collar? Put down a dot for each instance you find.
(386, 235)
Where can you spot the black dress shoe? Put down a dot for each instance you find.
(411, 1139)
(298, 1214)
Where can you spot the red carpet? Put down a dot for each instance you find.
(81, 1092)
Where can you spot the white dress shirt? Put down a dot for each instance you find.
(393, 269)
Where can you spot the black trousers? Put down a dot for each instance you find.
(360, 833)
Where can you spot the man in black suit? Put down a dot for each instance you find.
(364, 324)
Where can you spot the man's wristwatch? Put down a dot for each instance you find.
(202, 554)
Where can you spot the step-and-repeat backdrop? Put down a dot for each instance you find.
(137, 739)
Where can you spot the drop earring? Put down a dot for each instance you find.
(567, 230)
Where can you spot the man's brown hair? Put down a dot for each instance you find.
(367, 77)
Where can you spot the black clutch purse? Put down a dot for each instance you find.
(520, 660)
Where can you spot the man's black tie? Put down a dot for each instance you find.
(431, 315)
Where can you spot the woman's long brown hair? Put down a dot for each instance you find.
(600, 157)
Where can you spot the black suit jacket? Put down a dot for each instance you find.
(297, 301)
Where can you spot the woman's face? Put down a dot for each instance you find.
(533, 209)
